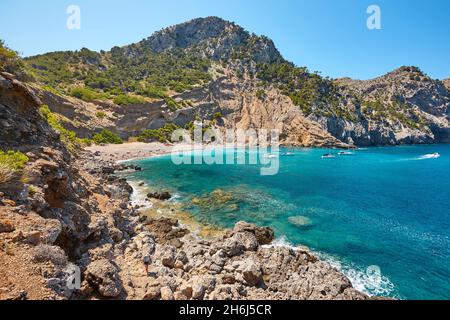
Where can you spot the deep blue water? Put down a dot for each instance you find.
(386, 207)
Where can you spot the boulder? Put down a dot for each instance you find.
(187, 290)
(104, 277)
(264, 235)
(152, 293)
(166, 293)
(33, 238)
(247, 239)
(168, 256)
(6, 226)
(198, 290)
(251, 272)
(233, 247)
(164, 195)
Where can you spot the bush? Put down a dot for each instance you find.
(154, 92)
(217, 116)
(125, 100)
(69, 138)
(12, 63)
(163, 134)
(106, 137)
(260, 94)
(10, 163)
(87, 94)
(100, 115)
(45, 253)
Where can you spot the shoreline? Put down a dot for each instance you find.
(130, 151)
(201, 231)
(155, 209)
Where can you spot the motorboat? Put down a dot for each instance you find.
(328, 156)
(345, 153)
(431, 156)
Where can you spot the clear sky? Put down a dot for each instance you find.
(329, 36)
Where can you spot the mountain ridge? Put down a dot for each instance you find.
(402, 106)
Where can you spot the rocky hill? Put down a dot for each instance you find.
(215, 70)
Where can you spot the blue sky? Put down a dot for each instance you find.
(329, 36)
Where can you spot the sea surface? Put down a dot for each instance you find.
(381, 215)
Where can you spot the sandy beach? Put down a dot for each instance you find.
(140, 150)
(130, 150)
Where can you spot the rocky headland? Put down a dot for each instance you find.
(65, 211)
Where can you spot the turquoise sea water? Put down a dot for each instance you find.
(384, 207)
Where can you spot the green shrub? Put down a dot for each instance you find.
(163, 134)
(217, 116)
(12, 63)
(260, 94)
(124, 100)
(153, 92)
(100, 114)
(68, 137)
(87, 94)
(106, 137)
(10, 163)
(52, 90)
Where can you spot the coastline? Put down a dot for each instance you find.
(156, 209)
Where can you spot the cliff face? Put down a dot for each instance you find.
(401, 107)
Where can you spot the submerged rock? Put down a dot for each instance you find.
(300, 221)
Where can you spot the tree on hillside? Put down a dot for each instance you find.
(11, 62)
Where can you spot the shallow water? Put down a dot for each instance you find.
(386, 209)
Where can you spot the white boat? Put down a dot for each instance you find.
(328, 156)
(270, 156)
(431, 156)
(345, 153)
(288, 154)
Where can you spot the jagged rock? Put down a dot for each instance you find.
(251, 271)
(164, 195)
(228, 279)
(166, 293)
(247, 239)
(187, 290)
(264, 235)
(178, 296)
(103, 276)
(152, 293)
(168, 256)
(198, 290)
(6, 226)
(220, 257)
(33, 238)
(233, 247)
